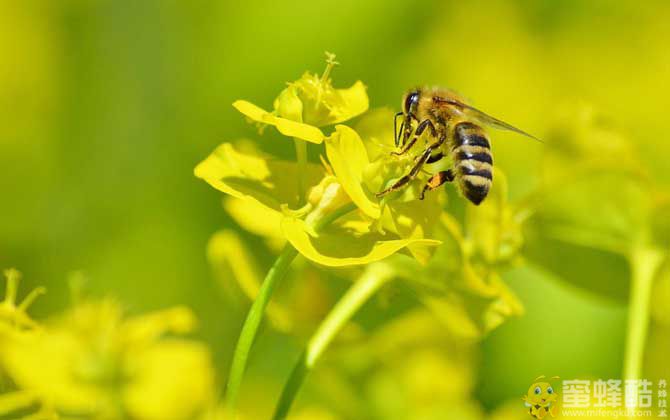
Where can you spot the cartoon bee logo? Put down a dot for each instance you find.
(541, 399)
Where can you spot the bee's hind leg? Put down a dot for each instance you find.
(436, 180)
(419, 130)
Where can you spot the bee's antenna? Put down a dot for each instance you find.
(396, 139)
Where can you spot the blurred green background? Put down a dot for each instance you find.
(106, 107)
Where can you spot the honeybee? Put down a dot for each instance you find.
(457, 130)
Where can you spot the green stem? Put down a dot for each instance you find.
(359, 293)
(252, 322)
(644, 263)
(301, 157)
(255, 315)
(329, 218)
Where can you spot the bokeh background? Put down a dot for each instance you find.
(106, 107)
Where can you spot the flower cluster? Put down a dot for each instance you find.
(358, 164)
(596, 203)
(94, 362)
(329, 214)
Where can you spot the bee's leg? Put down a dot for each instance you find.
(413, 172)
(419, 130)
(434, 158)
(396, 138)
(436, 180)
(406, 129)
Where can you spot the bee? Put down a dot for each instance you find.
(457, 130)
(541, 399)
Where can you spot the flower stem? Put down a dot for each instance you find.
(331, 217)
(359, 293)
(252, 322)
(301, 157)
(255, 315)
(644, 262)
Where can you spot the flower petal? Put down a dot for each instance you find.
(257, 219)
(337, 248)
(250, 110)
(352, 102)
(153, 394)
(285, 126)
(325, 105)
(232, 262)
(348, 157)
(295, 129)
(288, 104)
(416, 219)
(269, 181)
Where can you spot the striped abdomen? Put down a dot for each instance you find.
(473, 163)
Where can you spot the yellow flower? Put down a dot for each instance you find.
(13, 315)
(155, 394)
(355, 171)
(269, 188)
(349, 159)
(363, 164)
(94, 362)
(308, 103)
(461, 285)
(410, 367)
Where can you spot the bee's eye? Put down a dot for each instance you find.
(411, 99)
(538, 390)
(550, 390)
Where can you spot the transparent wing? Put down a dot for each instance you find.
(483, 118)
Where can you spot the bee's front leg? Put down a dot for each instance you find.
(420, 161)
(419, 130)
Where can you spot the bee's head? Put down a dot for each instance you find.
(411, 101)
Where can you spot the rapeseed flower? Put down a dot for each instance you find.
(309, 103)
(93, 361)
(13, 315)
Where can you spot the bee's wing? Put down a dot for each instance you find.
(484, 118)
